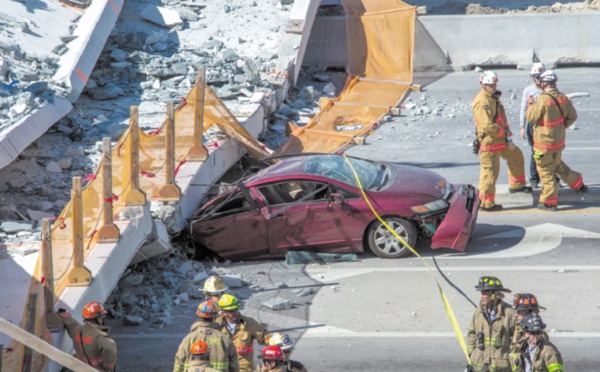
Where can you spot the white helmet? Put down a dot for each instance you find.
(215, 285)
(283, 340)
(488, 77)
(548, 77)
(537, 69)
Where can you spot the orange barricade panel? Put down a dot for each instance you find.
(380, 50)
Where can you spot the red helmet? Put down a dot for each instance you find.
(207, 309)
(273, 353)
(199, 347)
(93, 310)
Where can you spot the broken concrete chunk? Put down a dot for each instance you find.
(188, 15)
(118, 55)
(305, 292)
(185, 268)
(183, 297)
(110, 91)
(65, 163)
(232, 281)
(329, 89)
(300, 257)
(37, 87)
(13, 227)
(201, 276)
(133, 280)
(278, 304)
(38, 215)
(229, 55)
(53, 167)
(161, 16)
(251, 72)
(133, 320)
(324, 78)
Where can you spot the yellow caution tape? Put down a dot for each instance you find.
(449, 312)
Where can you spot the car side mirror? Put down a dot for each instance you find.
(337, 198)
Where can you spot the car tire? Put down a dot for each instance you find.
(384, 244)
(195, 251)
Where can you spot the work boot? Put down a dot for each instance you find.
(524, 190)
(547, 207)
(493, 208)
(583, 188)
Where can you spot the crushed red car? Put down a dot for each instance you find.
(313, 203)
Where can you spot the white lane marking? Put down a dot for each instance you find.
(536, 239)
(334, 274)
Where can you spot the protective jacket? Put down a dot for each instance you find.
(488, 342)
(223, 356)
(519, 338)
(546, 358)
(490, 120)
(294, 366)
(246, 331)
(200, 366)
(549, 124)
(91, 343)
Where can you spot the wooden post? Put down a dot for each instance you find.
(53, 321)
(133, 195)
(43, 347)
(170, 191)
(79, 275)
(198, 152)
(30, 325)
(108, 233)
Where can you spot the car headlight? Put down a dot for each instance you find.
(436, 206)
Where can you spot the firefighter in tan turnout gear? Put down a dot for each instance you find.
(90, 340)
(243, 331)
(524, 304)
(537, 353)
(551, 113)
(492, 327)
(285, 342)
(200, 358)
(223, 356)
(495, 141)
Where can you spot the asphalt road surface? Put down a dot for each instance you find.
(387, 315)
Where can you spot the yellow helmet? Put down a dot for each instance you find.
(228, 302)
(214, 285)
(283, 340)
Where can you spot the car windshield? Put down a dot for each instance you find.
(372, 175)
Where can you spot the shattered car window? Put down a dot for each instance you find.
(372, 175)
(291, 191)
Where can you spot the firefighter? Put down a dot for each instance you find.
(223, 356)
(214, 287)
(495, 139)
(243, 331)
(90, 340)
(533, 90)
(551, 114)
(524, 304)
(490, 333)
(273, 360)
(200, 358)
(538, 354)
(285, 342)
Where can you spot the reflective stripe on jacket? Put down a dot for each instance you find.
(549, 125)
(246, 332)
(494, 347)
(492, 126)
(546, 358)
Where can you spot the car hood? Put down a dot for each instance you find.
(413, 180)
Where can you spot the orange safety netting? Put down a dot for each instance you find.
(152, 161)
(380, 50)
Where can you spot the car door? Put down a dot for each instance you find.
(236, 229)
(302, 215)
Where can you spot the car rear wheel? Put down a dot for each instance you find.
(383, 243)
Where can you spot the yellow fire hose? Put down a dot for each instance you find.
(447, 307)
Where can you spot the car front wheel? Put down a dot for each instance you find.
(383, 243)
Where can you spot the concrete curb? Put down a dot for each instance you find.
(565, 196)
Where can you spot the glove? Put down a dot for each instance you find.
(538, 154)
(61, 310)
(469, 368)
